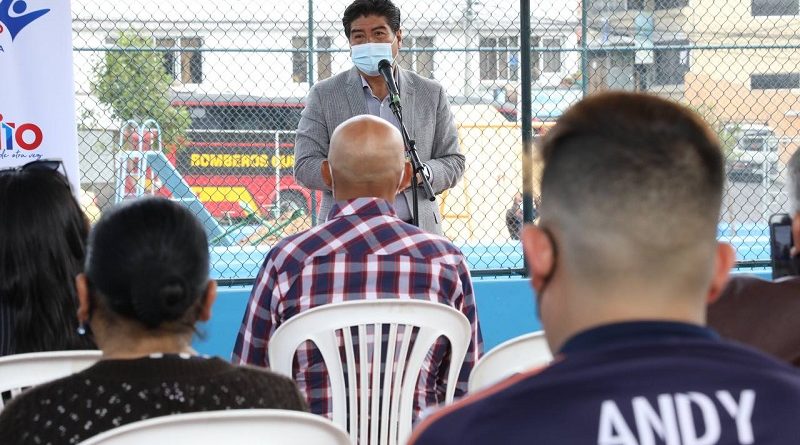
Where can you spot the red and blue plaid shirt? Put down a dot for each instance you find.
(363, 251)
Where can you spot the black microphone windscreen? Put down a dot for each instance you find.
(384, 64)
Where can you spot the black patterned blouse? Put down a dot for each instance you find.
(115, 392)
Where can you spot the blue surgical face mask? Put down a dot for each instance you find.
(367, 56)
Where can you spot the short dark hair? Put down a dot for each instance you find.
(363, 8)
(148, 261)
(42, 249)
(636, 171)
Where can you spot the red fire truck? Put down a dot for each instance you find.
(239, 156)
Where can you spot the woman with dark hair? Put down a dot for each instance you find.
(42, 248)
(145, 287)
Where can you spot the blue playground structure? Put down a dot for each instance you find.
(143, 172)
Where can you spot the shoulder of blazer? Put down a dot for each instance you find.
(421, 84)
(335, 82)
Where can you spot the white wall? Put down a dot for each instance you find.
(240, 37)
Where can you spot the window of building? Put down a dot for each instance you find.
(608, 6)
(324, 59)
(299, 60)
(513, 59)
(503, 57)
(536, 59)
(405, 58)
(185, 61)
(611, 70)
(670, 4)
(636, 5)
(488, 58)
(775, 7)
(191, 60)
(671, 65)
(775, 81)
(169, 56)
(551, 60)
(425, 62)
(419, 61)
(502, 63)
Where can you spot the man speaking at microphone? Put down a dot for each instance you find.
(373, 30)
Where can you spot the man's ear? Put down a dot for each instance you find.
(84, 300)
(208, 301)
(723, 262)
(325, 170)
(399, 35)
(539, 254)
(796, 233)
(408, 172)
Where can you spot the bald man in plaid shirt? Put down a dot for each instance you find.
(363, 251)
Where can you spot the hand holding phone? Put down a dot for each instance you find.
(780, 241)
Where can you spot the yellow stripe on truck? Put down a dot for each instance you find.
(226, 194)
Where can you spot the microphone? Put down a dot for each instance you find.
(385, 68)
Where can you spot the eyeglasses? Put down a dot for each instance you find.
(55, 165)
(52, 165)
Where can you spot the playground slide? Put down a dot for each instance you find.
(181, 192)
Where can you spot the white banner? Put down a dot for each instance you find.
(37, 96)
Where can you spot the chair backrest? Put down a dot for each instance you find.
(510, 357)
(21, 371)
(381, 395)
(232, 427)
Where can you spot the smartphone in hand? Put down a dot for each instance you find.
(780, 241)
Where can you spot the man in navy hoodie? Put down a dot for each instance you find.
(623, 261)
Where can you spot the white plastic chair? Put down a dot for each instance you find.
(325, 325)
(232, 427)
(21, 371)
(510, 357)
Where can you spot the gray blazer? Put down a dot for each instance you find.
(427, 118)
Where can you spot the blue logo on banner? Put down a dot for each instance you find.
(17, 22)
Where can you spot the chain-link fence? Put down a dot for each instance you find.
(201, 101)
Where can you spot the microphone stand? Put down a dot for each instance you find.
(416, 164)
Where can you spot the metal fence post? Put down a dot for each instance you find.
(527, 109)
(469, 42)
(313, 209)
(584, 59)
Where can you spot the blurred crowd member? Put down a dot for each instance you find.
(145, 287)
(42, 248)
(362, 250)
(514, 216)
(761, 313)
(623, 261)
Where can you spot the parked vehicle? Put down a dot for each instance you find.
(755, 156)
(239, 158)
(547, 106)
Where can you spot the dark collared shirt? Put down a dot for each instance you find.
(632, 383)
(632, 333)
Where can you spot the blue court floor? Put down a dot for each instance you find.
(506, 309)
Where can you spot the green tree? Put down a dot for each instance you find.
(133, 81)
(725, 131)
